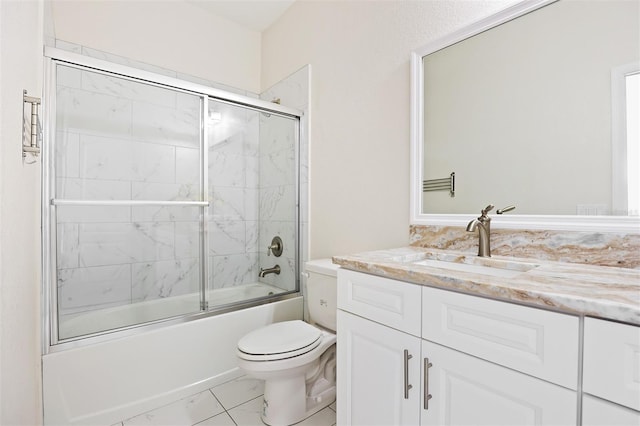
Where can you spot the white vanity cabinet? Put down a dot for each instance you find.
(611, 373)
(390, 360)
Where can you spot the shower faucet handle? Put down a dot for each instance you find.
(276, 247)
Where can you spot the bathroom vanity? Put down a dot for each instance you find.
(448, 338)
(433, 337)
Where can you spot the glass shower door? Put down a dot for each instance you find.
(127, 202)
(252, 185)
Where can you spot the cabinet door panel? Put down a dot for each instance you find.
(598, 412)
(612, 361)
(371, 374)
(469, 391)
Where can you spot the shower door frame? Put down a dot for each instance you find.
(53, 57)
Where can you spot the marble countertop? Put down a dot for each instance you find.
(596, 291)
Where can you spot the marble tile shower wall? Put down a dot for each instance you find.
(233, 190)
(122, 140)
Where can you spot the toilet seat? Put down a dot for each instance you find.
(278, 341)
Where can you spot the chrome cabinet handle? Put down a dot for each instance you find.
(427, 395)
(407, 386)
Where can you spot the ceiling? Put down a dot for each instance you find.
(256, 15)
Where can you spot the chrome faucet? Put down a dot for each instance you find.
(483, 224)
(266, 271)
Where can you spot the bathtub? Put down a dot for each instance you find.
(87, 323)
(109, 381)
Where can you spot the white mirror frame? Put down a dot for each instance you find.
(622, 224)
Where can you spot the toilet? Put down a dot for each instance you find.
(296, 359)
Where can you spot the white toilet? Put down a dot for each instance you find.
(297, 360)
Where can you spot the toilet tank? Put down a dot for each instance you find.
(322, 289)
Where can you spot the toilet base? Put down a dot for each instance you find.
(288, 410)
(289, 400)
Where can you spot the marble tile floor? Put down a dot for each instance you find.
(237, 402)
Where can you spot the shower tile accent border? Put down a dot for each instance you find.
(591, 248)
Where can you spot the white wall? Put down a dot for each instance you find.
(359, 52)
(20, 68)
(360, 90)
(172, 34)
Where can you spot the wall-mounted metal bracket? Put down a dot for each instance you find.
(31, 146)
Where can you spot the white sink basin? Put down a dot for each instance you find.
(482, 266)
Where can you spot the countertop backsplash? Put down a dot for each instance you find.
(593, 248)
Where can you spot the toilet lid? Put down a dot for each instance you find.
(281, 338)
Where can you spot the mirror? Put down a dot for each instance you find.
(533, 107)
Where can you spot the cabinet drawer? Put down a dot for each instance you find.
(537, 342)
(598, 412)
(612, 361)
(395, 304)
